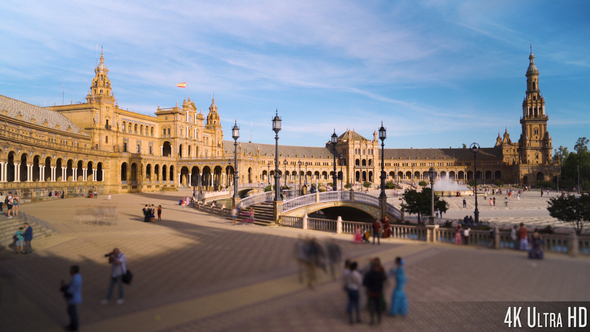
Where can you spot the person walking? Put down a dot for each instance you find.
(73, 295)
(15, 204)
(9, 205)
(514, 237)
(118, 262)
(522, 236)
(334, 256)
(20, 240)
(28, 239)
(494, 201)
(506, 201)
(376, 230)
(399, 302)
(466, 235)
(234, 215)
(464, 203)
(352, 284)
(458, 234)
(2, 198)
(374, 280)
(159, 212)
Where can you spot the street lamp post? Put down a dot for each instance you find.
(194, 186)
(200, 187)
(268, 174)
(235, 133)
(276, 127)
(306, 173)
(285, 163)
(475, 148)
(431, 173)
(382, 195)
(342, 179)
(299, 163)
(334, 140)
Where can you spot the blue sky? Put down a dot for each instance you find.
(437, 73)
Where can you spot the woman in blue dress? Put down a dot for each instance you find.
(399, 303)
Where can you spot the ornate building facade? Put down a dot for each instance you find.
(98, 146)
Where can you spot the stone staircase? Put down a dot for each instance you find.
(263, 214)
(8, 227)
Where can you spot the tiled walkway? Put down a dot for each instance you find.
(195, 272)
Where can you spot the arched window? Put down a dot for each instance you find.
(123, 127)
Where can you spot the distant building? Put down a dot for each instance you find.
(98, 146)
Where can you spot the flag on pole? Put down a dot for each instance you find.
(181, 85)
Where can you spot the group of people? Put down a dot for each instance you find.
(374, 280)
(22, 240)
(462, 234)
(12, 202)
(379, 229)
(523, 242)
(310, 255)
(149, 213)
(72, 291)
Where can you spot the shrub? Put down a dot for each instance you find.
(423, 183)
(367, 184)
(390, 185)
(268, 188)
(347, 186)
(499, 183)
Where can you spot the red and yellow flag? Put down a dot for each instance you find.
(181, 85)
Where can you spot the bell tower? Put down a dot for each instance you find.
(535, 143)
(101, 90)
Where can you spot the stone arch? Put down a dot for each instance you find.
(488, 174)
(540, 176)
(357, 162)
(195, 172)
(148, 172)
(123, 126)
(461, 175)
(357, 176)
(47, 175)
(364, 162)
(164, 172)
(184, 180)
(426, 175)
(206, 180)
(364, 176)
(498, 175)
(443, 174)
(408, 175)
(478, 175)
(217, 171)
(469, 175)
(90, 171)
(452, 175)
(417, 175)
(324, 175)
(80, 170)
(166, 149)
(124, 172)
(99, 171)
(23, 167)
(133, 173)
(172, 174)
(141, 130)
(59, 170)
(157, 172)
(36, 168)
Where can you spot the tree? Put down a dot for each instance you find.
(575, 210)
(581, 145)
(390, 185)
(560, 154)
(464, 146)
(418, 203)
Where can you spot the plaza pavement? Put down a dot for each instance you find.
(531, 209)
(195, 272)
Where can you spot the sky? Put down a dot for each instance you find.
(437, 73)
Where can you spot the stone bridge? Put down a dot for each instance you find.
(307, 204)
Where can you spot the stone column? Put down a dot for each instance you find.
(102, 171)
(304, 222)
(431, 233)
(94, 176)
(3, 165)
(189, 181)
(161, 150)
(339, 225)
(75, 174)
(41, 173)
(64, 174)
(52, 175)
(84, 174)
(29, 172)
(16, 172)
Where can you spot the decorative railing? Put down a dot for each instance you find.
(325, 225)
(350, 227)
(296, 202)
(255, 199)
(408, 232)
(295, 222)
(366, 198)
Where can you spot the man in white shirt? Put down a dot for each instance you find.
(118, 261)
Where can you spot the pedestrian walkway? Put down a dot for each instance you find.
(195, 272)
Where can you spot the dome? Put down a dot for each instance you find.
(532, 70)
